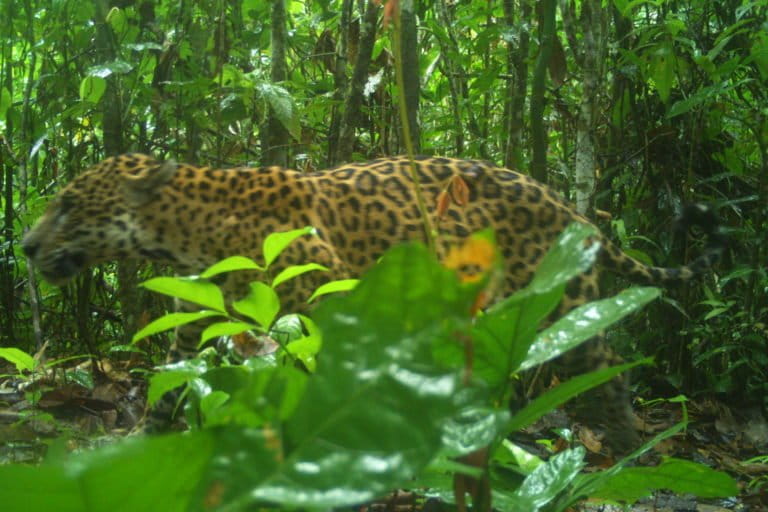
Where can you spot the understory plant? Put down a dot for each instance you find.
(409, 390)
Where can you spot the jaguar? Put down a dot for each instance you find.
(135, 206)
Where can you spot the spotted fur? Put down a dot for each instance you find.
(133, 206)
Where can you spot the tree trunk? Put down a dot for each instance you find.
(354, 100)
(590, 55)
(410, 69)
(339, 81)
(546, 16)
(274, 136)
(517, 84)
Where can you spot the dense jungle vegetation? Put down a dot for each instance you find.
(631, 109)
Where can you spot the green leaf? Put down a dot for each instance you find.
(20, 359)
(5, 102)
(282, 104)
(110, 68)
(174, 376)
(169, 469)
(275, 243)
(296, 270)
(473, 428)
(567, 258)
(231, 264)
(220, 329)
(171, 321)
(564, 392)
(662, 70)
(117, 19)
(545, 483)
(584, 322)
(678, 476)
(213, 401)
(339, 285)
(348, 445)
(306, 348)
(261, 305)
(189, 289)
(92, 89)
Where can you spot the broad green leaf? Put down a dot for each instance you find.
(117, 19)
(220, 329)
(585, 322)
(296, 270)
(92, 89)
(662, 70)
(168, 467)
(306, 348)
(567, 258)
(110, 68)
(213, 401)
(502, 337)
(348, 444)
(260, 305)
(564, 392)
(283, 106)
(275, 243)
(171, 321)
(472, 429)
(678, 476)
(173, 376)
(20, 359)
(545, 483)
(189, 289)
(231, 264)
(339, 285)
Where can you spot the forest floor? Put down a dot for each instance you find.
(88, 410)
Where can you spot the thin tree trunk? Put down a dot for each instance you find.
(339, 81)
(6, 188)
(354, 100)
(590, 55)
(410, 69)
(274, 136)
(546, 16)
(517, 85)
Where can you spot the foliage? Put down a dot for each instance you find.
(389, 400)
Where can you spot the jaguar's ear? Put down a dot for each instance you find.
(142, 188)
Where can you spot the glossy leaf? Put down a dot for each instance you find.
(337, 286)
(585, 322)
(189, 289)
(169, 469)
(545, 483)
(20, 359)
(564, 392)
(283, 106)
(569, 256)
(376, 360)
(171, 321)
(220, 329)
(231, 264)
(275, 243)
(260, 305)
(172, 377)
(678, 476)
(92, 89)
(296, 270)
